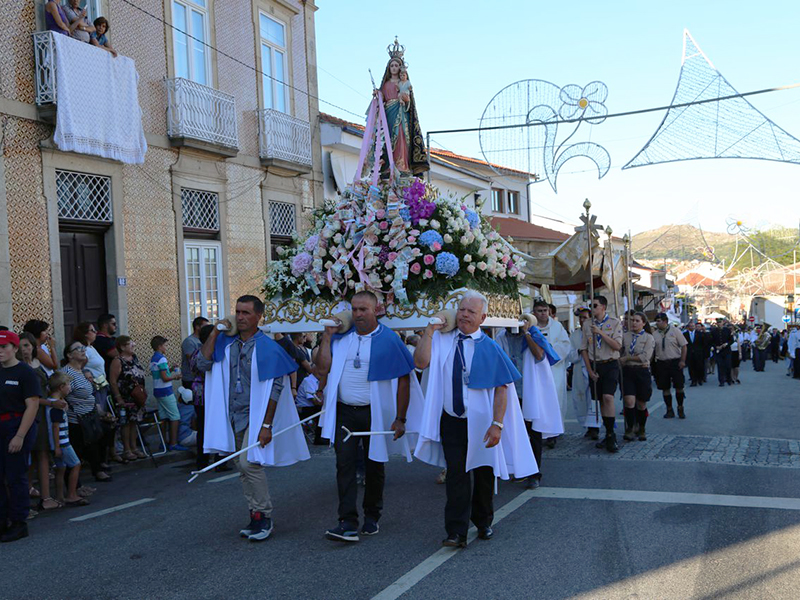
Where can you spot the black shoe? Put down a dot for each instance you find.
(693, 384)
(455, 541)
(681, 414)
(485, 533)
(370, 527)
(721, 385)
(594, 433)
(550, 442)
(254, 517)
(670, 414)
(343, 532)
(642, 435)
(261, 530)
(628, 436)
(533, 483)
(15, 531)
(611, 443)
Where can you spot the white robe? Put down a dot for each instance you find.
(559, 340)
(511, 457)
(585, 407)
(539, 397)
(383, 407)
(284, 450)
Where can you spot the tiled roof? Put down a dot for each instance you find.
(696, 279)
(522, 230)
(438, 152)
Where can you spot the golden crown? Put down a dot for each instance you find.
(396, 50)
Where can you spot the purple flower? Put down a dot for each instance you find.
(301, 263)
(311, 243)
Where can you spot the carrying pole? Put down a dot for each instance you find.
(587, 205)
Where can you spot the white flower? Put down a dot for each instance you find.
(321, 252)
(388, 278)
(337, 239)
(502, 274)
(436, 225)
(424, 223)
(464, 241)
(482, 266)
(329, 264)
(482, 251)
(448, 239)
(351, 284)
(281, 250)
(349, 243)
(471, 268)
(468, 257)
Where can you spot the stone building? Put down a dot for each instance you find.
(228, 94)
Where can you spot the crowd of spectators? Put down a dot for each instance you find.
(72, 20)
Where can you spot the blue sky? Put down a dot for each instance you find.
(460, 55)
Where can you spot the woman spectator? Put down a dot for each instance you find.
(82, 407)
(41, 448)
(86, 333)
(55, 19)
(78, 22)
(125, 375)
(46, 352)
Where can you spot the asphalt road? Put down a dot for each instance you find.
(722, 522)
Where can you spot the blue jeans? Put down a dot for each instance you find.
(14, 501)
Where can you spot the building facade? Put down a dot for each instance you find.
(229, 111)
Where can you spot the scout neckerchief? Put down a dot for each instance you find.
(600, 324)
(636, 336)
(664, 338)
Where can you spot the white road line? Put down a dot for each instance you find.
(223, 478)
(422, 570)
(106, 511)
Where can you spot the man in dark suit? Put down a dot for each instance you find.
(695, 357)
(722, 344)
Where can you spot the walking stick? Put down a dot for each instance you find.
(196, 474)
(589, 220)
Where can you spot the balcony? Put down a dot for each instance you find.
(201, 117)
(44, 52)
(284, 141)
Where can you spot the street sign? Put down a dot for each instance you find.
(752, 319)
(786, 318)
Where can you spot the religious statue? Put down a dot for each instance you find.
(408, 145)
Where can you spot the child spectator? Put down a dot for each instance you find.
(99, 36)
(65, 457)
(163, 391)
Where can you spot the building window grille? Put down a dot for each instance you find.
(83, 197)
(282, 219)
(200, 210)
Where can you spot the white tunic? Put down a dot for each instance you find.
(539, 397)
(555, 333)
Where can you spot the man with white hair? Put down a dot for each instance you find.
(472, 420)
(557, 336)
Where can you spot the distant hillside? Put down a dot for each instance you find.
(686, 243)
(678, 242)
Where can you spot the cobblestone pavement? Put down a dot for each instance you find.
(732, 450)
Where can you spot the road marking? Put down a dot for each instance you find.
(106, 511)
(438, 558)
(223, 478)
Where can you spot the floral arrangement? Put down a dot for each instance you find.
(401, 242)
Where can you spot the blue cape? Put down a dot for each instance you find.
(389, 357)
(273, 361)
(541, 341)
(490, 367)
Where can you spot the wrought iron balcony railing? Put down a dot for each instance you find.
(44, 54)
(198, 112)
(284, 138)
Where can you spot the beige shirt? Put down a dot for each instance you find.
(669, 343)
(642, 350)
(612, 328)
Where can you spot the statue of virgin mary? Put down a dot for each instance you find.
(408, 145)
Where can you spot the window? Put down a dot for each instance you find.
(200, 211)
(204, 280)
(513, 202)
(497, 201)
(190, 20)
(273, 63)
(83, 197)
(282, 219)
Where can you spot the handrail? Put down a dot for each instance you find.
(284, 137)
(202, 113)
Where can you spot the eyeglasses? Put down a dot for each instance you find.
(595, 305)
(78, 349)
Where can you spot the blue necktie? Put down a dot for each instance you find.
(458, 372)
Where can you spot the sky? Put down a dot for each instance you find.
(460, 54)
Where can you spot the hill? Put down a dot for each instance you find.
(678, 242)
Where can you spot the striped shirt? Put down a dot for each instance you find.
(55, 415)
(81, 398)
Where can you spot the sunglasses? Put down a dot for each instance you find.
(78, 349)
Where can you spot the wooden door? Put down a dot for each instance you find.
(83, 278)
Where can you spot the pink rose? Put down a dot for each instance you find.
(384, 225)
(380, 213)
(437, 246)
(414, 232)
(427, 274)
(412, 239)
(429, 259)
(416, 268)
(392, 256)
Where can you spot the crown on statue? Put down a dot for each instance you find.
(396, 50)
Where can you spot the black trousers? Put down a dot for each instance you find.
(759, 359)
(724, 367)
(696, 367)
(469, 497)
(202, 457)
(796, 364)
(536, 445)
(93, 453)
(356, 418)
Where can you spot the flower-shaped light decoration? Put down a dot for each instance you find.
(587, 102)
(737, 226)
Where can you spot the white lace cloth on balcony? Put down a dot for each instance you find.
(97, 109)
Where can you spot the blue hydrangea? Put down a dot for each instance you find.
(405, 214)
(431, 237)
(472, 217)
(447, 264)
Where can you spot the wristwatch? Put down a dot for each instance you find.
(499, 424)
(403, 420)
(266, 426)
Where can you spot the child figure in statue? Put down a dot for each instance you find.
(404, 88)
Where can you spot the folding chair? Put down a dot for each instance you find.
(141, 428)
